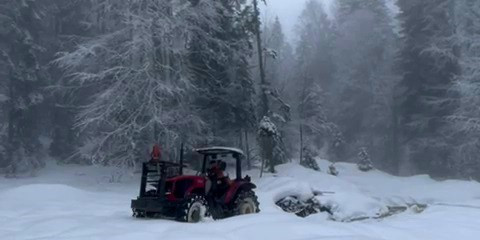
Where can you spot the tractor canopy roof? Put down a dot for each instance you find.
(219, 150)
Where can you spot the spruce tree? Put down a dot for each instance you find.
(276, 59)
(364, 162)
(270, 143)
(73, 24)
(314, 78)
(465, 121)
(24, 78)
(364, 53)
(219, 62)
(427, 76)
(308, 160)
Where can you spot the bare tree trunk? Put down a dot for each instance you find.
(395, 141)
(12, 143)
(267, 152)
(247, 151)
(302, 115)
(262, 166)
(240, 139)
(263, 82)
(301, 143)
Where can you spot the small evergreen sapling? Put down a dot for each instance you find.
(308, 160)
(364, 162)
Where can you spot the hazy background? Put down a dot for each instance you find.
(288, 11)
(347, 87)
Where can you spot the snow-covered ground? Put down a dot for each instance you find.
(67, 202)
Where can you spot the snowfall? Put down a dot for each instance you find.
(86, 202)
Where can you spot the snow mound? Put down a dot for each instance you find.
(347, 207)
(344, 199)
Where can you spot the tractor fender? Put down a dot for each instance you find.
(237, 187)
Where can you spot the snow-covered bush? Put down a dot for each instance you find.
(332, 170)
(364, 163)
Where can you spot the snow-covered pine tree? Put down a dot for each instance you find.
(364, 163)
(314, 71)
(427, 75)
(308, 160)
(278, 56)
(22, 82)
(272, 105)
(71, 22)
(139, 76)
(465, 122)
(219, 63)
(270, 141)
(361, 99)
(274, 47)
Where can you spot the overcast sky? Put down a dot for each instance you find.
(287, 10)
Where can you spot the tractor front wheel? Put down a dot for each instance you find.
(138, 214)
(193, 210)
(246, 203)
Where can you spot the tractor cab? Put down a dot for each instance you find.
(222, 157)
(222, 168)
(218, 189)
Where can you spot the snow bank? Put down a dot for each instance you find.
(66, 205)
(360, 195)
(404, 190)
(343, 198)
(348, 207)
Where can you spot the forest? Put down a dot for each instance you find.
(99, 82)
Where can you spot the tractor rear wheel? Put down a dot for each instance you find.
(246, 203)
(193, 210)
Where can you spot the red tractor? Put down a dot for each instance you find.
(168, 194)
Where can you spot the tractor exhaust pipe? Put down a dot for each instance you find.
(180, 169)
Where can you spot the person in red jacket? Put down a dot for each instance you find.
(156, 154)
(220, 182)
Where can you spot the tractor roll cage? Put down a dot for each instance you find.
(213, 151)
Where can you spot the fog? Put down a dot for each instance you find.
(288, 11)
